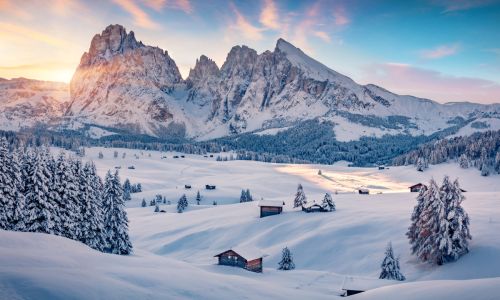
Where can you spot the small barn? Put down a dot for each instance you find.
(417, 187)
(363, 191)
(243, 257)
(313, 207)
(209, 187)
(381, 167)
(355, 285)
(187, 186)
(270, 208)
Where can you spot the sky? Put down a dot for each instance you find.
(445, 50)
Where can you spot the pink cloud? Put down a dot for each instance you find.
(457, 5)
(246, 28)
(441, 51)
(340, 16)
(410, 80)
(269, 16)
(141, 18)
(323, 35)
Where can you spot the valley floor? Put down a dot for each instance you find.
(173, 253)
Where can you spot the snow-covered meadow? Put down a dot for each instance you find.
(173, 253)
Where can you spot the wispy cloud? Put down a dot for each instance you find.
(10, 7)
(458, 5)
(340, 16)
(246, 28)
(440, 51)
(30, 34)
(323, 35)
(269, 15)
(141, 18)
(407, 79)
(159, 5)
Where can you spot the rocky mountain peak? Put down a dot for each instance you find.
(240, 59)
(204, 67)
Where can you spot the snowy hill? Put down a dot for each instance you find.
(25, 103)
(173, 253)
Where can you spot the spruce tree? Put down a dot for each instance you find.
(16, 217)
(8, 188)
(66, 195)
(143, 204)
(300, 197)
(243, 196)
(390, 266)
(198, 197)
(182, 204)
(286, 262)
(115, 216)
(414, 230)
(127, 190)
(92, 223)
(328, 203)
(39, 210)
(248, 196)
(157, 208)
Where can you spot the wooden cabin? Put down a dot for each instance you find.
(270, 208)
(209, 187)
(243, 257)
(381, 167)
(314, 207)
(417, 187)
(363, 191)
(355, 285)
(176, 156)
(187, 186)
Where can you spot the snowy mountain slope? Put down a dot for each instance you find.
(25, 103)
(173, 253)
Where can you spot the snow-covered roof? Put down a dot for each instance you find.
(311, 204)
(274, 203)
(364, 284)
(363, 189)
(247, 252)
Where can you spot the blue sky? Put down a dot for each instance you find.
(440, 49)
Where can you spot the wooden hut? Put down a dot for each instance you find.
(187, 186)
(417, 187)
(209, 187)
(363, 191)
(355, 285)
(243, 257)
(270, 207)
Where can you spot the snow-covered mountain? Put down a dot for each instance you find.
(122, 83)
(26, 103)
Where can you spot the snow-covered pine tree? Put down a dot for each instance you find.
(8, 188)
(115, 216)
(66, 195)
(433, 243)
(101, 156)
(16, 217)
(92, 223)
(286, 262)
(157, 208)
(390, 266)
(39, 210)
(243, 196)
(328, 203)
(138, 188)
(300, 197)
(421, 164)
(463, 161)
(248, 196)
(198, 197)
(458, 220)
(127, 190)
(414, 230)
(485, 170)
(182, 204)
(143, 204)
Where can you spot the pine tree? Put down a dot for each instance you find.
(286, 262)
(182, 204)
(243, 196)
(126, 190)
(434, 243)
(458, 219)
(92, 223)
(328, 203)
(138, 188)
(143, 204)
(198, 197)
(157, 208)
(414, 230)
(463, 161)
(8, 188)
(101, 156)
(39, 210)
(248, 196)
(300, 197)
(16, 217)
(66, 195)
(421, 164)
(390, 266)
(115, 216)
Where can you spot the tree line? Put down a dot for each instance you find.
(61, 196)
